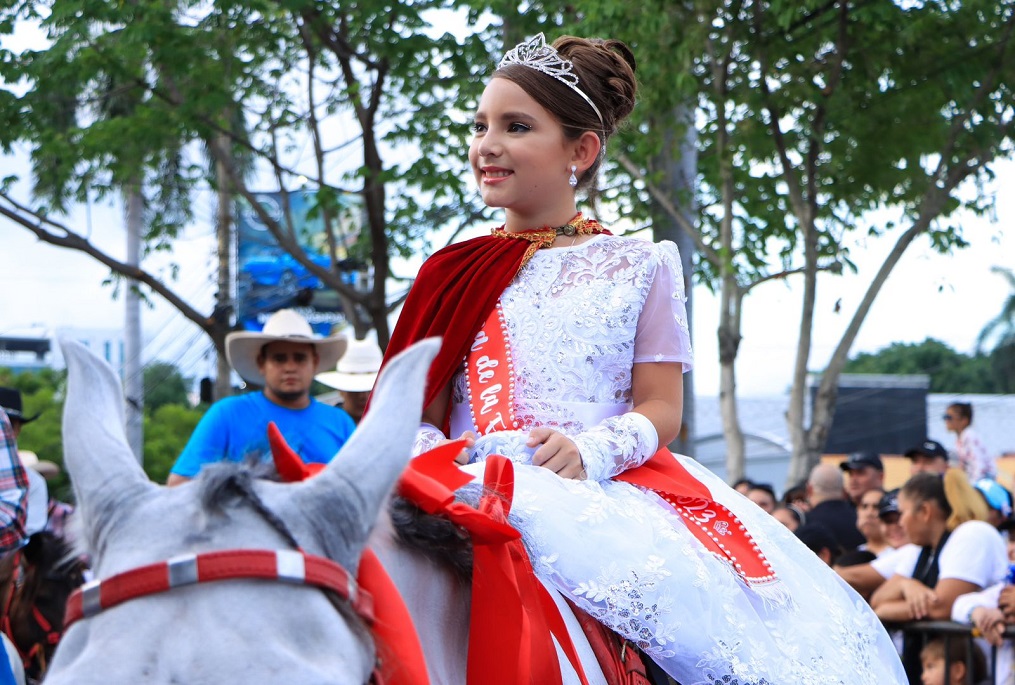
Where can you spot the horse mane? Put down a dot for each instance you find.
(224, 484)
(436, 538)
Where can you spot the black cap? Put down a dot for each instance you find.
(860, 459)
(889, 503)
(928, 448)
(10, 402)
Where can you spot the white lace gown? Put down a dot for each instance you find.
(577, 320)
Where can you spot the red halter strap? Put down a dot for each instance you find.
(287, 566)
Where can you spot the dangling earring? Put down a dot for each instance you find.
(573, 180)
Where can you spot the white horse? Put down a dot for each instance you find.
(251, 630)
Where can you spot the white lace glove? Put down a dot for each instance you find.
(427, 437)
(616, 444)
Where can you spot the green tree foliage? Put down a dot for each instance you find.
(949, 371)
(365, 99)
(164, 384)
(42, 391)
(166, 431)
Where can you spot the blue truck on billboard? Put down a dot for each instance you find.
(269, 278)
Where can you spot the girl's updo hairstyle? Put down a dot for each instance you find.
(605, 71)
(952, 493)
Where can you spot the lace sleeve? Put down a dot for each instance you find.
(617, 444)
(663, 334)
(427, 437)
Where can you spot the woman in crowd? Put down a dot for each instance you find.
(953, 552)
(970, 451)
(563, 349)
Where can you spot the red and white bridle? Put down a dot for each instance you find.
(287, 566)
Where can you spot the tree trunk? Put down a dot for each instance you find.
(729, 345)
(223, 298)
(678, 160)
(804, 457)
(133, 373)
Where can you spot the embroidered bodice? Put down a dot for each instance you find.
(578, 319)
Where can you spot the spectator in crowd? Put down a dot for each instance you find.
(954, 552)
(10, 402)
(970, 451)
(56, 512)
(864, 471)
(763, 495)
(964, 659)
(829, 506)
(888, 512)
(743, 485)
(796, 496)
(869, 523)
(283, 359)
(821, 541)
(14, 488)
(355, 375)
(992, 610)
(13, 478)
(790, 516)
(929, 456)
(997, 498)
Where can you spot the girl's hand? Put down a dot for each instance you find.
(556, 452)
(470, 441)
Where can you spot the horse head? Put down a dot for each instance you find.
(246, 630)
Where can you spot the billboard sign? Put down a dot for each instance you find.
(269, 278)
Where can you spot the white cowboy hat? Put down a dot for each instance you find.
(44, 467)
(357, 369)
(243, 347)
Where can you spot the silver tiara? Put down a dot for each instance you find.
(536, 54)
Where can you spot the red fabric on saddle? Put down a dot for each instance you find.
(513, 615)
(619, 661)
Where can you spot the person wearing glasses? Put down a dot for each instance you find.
(282, 360)
(970, 451)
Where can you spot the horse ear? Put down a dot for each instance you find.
(100, 463)
(380, 447)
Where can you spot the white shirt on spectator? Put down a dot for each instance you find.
(961, 610)
(974, 552)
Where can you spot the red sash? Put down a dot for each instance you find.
(491, 400)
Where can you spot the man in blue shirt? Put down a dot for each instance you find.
(283, 358)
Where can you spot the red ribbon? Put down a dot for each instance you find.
(513, 615)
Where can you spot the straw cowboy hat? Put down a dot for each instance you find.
(243, 347)
(357, 369)
(10, 402)
(45, 468)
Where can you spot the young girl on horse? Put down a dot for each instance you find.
(563, 350)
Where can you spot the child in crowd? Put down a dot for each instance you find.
(963, 656)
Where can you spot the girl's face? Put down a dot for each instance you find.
(520, 156)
